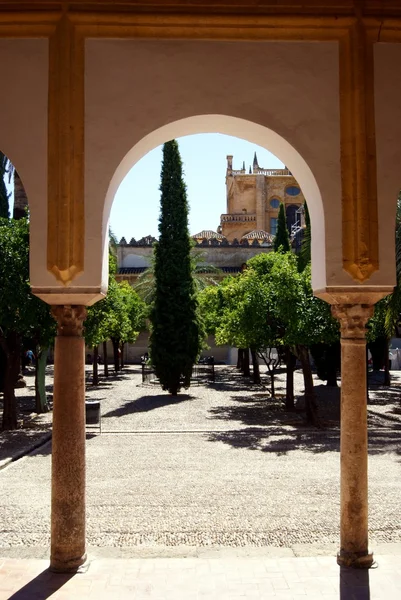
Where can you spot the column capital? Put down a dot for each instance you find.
(353, 319)
(70, 319)
(363, 295)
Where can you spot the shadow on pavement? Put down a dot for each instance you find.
(284, 441)
(253, 410)
(147, 403)
(43, 586)
(354, 584)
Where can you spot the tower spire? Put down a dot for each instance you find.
(255, 163)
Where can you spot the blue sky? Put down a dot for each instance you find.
(135, 210)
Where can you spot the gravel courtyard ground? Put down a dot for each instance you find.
(223, 466)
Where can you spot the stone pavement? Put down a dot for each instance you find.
(217, 495)
(222, 466)
(311, 578)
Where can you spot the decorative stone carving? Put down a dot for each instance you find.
(352, 318)
(70, 319)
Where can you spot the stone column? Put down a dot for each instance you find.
(68, 454)
(354, 436)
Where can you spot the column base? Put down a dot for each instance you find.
(355, 560)
(78, 565)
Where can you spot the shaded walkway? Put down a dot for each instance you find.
(312, 578)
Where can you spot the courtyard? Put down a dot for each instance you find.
(222, 466)
(216, 494)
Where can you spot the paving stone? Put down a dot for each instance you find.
(218, 469)
(183, 583)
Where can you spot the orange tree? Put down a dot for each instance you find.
(21, 313)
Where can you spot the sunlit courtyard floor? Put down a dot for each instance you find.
(221, 467)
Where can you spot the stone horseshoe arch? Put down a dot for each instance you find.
(250, 131)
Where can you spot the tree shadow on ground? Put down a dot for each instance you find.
(384, 405)
(107, 380)
(147, 403)
(381, 396)
(284, 441)
(261, 409)
(251, 410)
(102, 385)
(229, 379)
(278, 440)
(22, 440)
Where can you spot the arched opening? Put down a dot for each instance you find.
(13, 197)
(247, 130)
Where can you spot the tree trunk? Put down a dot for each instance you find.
(240, 359)
(272, 381)
(95, 366)
(105, 360)
(12, 347)
(331, 364)
(255, 363)
(245, 363)
(41, 405)
(387, 380)
(115, 343)
(122, 355)
(310, 400)
(290, 361)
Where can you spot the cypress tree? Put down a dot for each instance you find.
(4, 196)
(176, 336)
(305, 253)
(282, 239)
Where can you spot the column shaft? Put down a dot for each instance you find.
(68, 453)
(354, 437)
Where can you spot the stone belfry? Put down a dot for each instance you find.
(253, 200)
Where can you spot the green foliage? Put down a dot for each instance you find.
(269, 304)
(282, 239)
(306, 248)
(22, 315)
(113, 243)
(120, 316)
(20, 310)
(176, 334)
(376, 327)
(203, 274)
(245, 320)
(393, 302)
(4, 196)
(211, 303)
